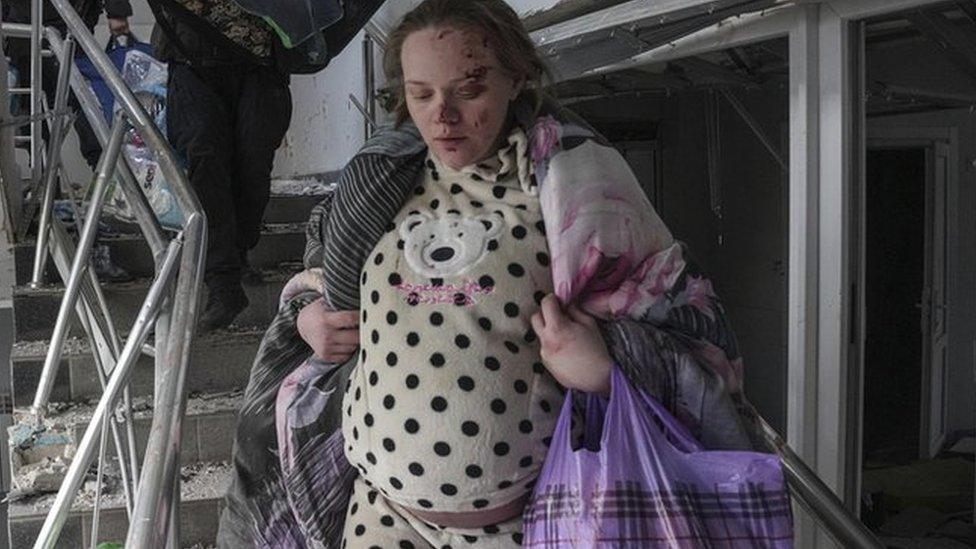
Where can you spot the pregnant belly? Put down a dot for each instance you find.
(473, 519)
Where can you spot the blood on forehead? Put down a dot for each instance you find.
(474, 48)
(477, 73)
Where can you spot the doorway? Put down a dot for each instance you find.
(907, 468)
(894, 279)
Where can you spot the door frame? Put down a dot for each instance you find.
(930, 139)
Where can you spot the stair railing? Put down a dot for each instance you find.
(170, 306)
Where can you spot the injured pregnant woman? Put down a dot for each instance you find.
(477, 258)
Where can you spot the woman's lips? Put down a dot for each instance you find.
(450, 144)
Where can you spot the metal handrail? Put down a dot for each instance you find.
(810, 491)
(172, 299)
(92, 310)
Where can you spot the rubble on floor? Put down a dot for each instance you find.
(71, 413)
(41, 454)
(945, 485)
(201, 480)
(924, 505)
(304, 186)
(921, 528)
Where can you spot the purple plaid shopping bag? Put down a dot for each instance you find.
(640, 480)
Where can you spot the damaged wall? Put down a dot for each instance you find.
(749, 267)
(326, 129)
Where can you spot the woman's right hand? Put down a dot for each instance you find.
(332, 335)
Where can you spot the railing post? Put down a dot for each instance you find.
(37, 18)
(151, 517)
(10, 179)
(86, 447)
(106, 169)
(158, 495)
(50, 173)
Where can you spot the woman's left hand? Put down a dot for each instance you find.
(572, 348)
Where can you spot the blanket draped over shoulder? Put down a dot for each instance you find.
(611, 253)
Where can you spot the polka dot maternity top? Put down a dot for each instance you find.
(450, 408)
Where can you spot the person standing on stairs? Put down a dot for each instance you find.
(228, 108)
(117, 13)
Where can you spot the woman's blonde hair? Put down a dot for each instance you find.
(499, 23)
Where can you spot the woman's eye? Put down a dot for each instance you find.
(469, 93)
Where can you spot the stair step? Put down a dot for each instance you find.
(202, 491)
(220, 361)
(290, 208)
(36, 309)
(208, 426)
(280, 242)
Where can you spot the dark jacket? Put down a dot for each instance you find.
(219, 32)
(19, 11)
(182, 36)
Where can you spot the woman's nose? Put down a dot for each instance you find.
(448, 113)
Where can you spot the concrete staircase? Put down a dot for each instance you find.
(218, 373)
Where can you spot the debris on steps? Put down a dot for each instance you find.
(41, 453)
(313, 185)
(199, 481)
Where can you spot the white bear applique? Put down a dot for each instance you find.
(449, 245)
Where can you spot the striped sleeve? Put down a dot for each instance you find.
(369, 194)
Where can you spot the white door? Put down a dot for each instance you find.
(933, 301)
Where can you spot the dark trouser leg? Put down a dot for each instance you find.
(263, 115)
(201, 130)
(91, 150)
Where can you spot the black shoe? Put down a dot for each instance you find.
(105, 268)
(224, 303)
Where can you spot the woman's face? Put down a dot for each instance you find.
(456, 93)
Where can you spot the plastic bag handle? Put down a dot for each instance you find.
(677, 433)
(621, 392)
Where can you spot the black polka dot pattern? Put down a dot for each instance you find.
(450, 361)
(372, 522)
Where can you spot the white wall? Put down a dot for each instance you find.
(326, 128)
